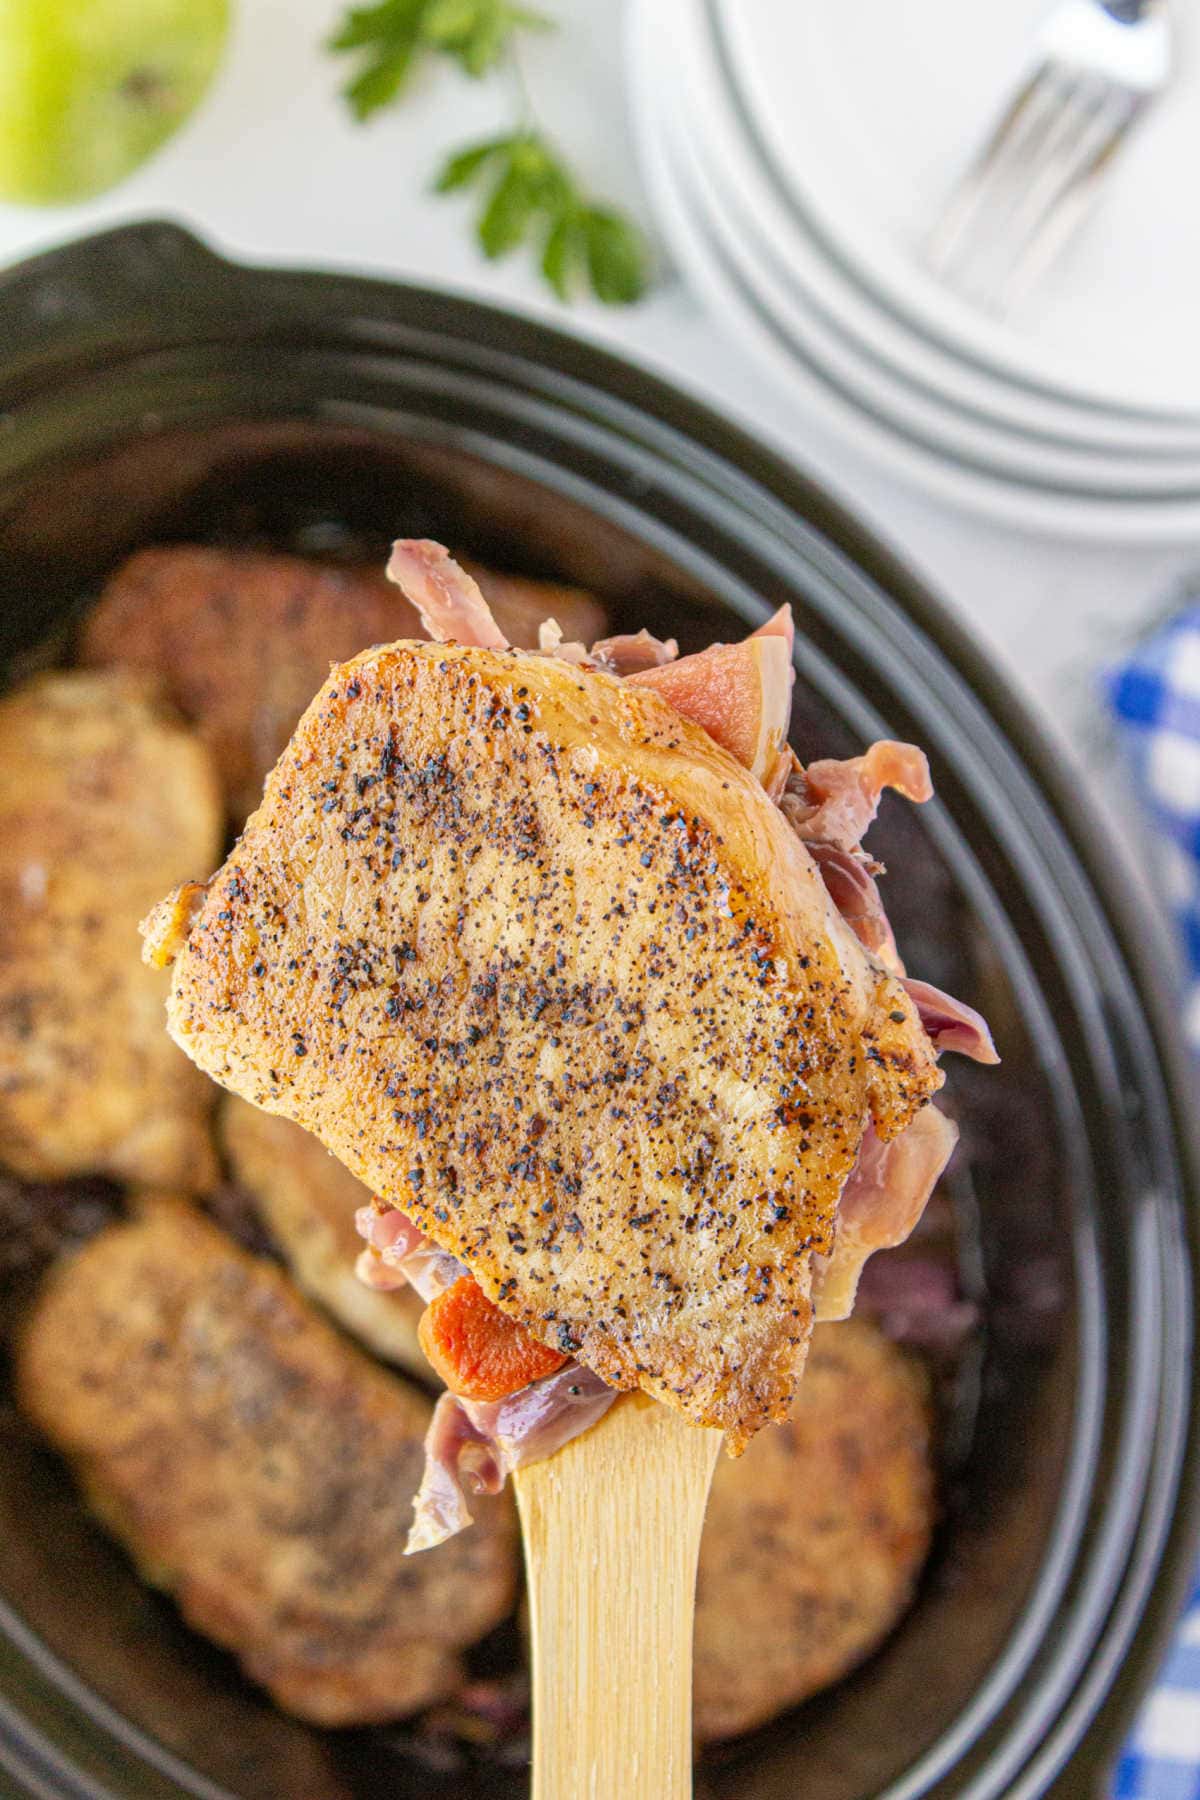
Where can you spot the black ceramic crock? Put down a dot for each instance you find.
(151, 391)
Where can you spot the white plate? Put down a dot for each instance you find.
(742, 181)
(1080, 515)
(994, 451)
(868, 112)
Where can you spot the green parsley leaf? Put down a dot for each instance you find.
(508, 214)
(561, 253)
(527, 187)
(477, 32)
(461, 169)
(390, 35)
(368, 24)
(379, 83)
(616, 256)
(526, 190)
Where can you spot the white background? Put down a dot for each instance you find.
(273, 168)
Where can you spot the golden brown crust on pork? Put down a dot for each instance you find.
(545, 967)
(258, 1467)
(307, 1201)
(813, 1541)
(243, 638)
(103, 800)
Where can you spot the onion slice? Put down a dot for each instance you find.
(477, 1445)
(450, 602)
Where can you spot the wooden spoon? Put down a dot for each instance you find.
(611, 1525)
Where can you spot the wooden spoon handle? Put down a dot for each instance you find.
(612, 1531)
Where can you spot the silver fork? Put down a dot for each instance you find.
(1097, 66)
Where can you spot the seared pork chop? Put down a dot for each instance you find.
(243, 638)
(307, 1201)
(813, 1541)
(103, 798)
(548, 970)
(258, 1467)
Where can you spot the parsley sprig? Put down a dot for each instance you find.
(392, 36)
(528, 194)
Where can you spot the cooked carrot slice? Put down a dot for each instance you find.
(479, 1352)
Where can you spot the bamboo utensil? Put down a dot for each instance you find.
(611, 1525)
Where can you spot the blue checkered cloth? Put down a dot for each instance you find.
(1155, 699)
(1161, 1761)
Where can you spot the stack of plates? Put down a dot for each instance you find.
(797, 154)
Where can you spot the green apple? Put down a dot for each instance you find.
(89, 88)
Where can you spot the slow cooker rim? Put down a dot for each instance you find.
(530, 342)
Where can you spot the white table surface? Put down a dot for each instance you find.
(273, 168)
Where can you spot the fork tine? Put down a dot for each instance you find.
(1077, 99)
(1063, 149)
(1100, 64)
(1032, 172)
(1065, 209)
(984, 178)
